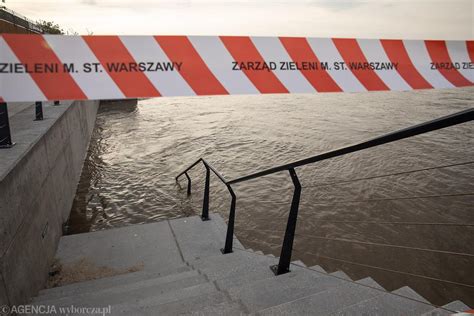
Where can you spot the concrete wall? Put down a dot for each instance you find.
(38, 179)
(7, 27)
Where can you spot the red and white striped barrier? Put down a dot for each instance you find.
(51, 67)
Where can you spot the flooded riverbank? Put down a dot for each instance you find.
(413, 228)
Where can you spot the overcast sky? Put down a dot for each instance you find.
(407, 19)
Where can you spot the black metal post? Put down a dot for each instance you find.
(39, 111)
(285, 256)
(5, 134)
(205, 202)
(230, 225)
(189, 183)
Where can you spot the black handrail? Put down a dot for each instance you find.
(446, 121)
(286, 251)
(205, 202)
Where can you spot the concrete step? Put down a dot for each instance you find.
(247, 275)
(129, 292)
(221, 266)
(341, 275)
(281, 289)
(104, 283)
(448, 309)
(240, 256)
(185, 306)
(149, 300)
(317, 268)
(145, 246)
(371, 283)
(200, 239)
(299, 263)
(327, 302)
(390, 304)
(222, 309)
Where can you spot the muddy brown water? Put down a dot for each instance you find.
(414, 228)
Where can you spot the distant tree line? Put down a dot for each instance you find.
(49, 27)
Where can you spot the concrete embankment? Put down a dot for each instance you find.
(38, 179)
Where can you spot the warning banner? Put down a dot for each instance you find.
(52, 67)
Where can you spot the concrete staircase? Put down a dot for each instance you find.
(184, 272)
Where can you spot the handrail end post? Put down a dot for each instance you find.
(287, 247)
(205, 202)
(229, 239)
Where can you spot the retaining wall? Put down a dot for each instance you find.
(38, 180)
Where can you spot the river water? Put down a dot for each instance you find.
(414, 228)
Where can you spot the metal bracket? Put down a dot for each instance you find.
(274, 269)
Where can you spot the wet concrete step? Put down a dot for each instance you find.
(281, 289)
(405, 302)
(105, 283)
(134, 291)
(326, 302)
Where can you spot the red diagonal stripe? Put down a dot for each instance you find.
(351, 52)
(470, 49)
(397, 53)
(109, 50)
(194, 70)
(243, 50)
(33, 50)
(439, 54)
(299, 50)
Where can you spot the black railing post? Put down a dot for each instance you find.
(39, 111)
(205, 202)
(285, 256)
(189, 183)
(230, 225)
(5, 134)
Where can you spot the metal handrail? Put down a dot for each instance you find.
(286, 251)
(446, 121)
